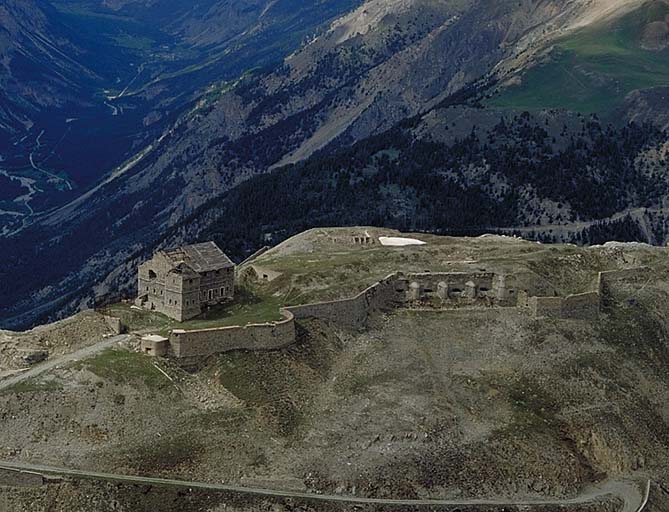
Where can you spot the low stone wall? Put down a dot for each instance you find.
(206, 342)
(354, 313)
(582, 306)
(546, 307)
(628, 274)
(114, 324)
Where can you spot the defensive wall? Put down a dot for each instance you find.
(395, 291)
(354, 313)
(115, 324)
(582, 306)
(202, 343)
(588, 305)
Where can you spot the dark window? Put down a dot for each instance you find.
(152, 274)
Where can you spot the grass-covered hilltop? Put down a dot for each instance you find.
(594, 69)
(458, 401)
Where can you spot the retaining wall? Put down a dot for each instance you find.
(546, 307)
(206, 342)
(114, 324)
(354, 313)
(582, 306)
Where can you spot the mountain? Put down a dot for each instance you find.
(598, 67)
(421, 75)
(89, 84)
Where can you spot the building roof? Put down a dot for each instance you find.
(154, 338)
(202, 257)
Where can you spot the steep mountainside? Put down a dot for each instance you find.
(93, 84)
(595, 68)
(42, 65)
(374, 67)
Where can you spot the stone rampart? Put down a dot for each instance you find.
(628, 274)
(394, 291)
(583, 306)
(546, 307)
(354, 313)
(114, 324)
(206, 342)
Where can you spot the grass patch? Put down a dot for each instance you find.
(247, 307)
(636, 332)
(359, 384)
(267, 384)
(134, 42)
(594, 69)
(124, 367)
(278, 385)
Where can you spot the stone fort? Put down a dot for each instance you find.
(437, 291)
(181, 282)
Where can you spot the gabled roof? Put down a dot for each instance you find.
(202, 257)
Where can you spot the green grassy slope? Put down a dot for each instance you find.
(592, 70)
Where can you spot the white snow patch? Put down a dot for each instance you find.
(395, 241)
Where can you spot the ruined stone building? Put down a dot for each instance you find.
(181, 282)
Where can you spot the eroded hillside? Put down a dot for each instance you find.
(460, 402)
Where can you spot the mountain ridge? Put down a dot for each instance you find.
(323, 97)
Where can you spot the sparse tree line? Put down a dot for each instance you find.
(398, 181)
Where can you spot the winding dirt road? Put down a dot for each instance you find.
(49, 364)
(630, 492)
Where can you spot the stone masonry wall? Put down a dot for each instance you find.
(546, 307)
(628, 274)
(584, 306)
(206, 342)
(354, 313)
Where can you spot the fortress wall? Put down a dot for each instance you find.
(431, 280)
(584, 306)
(207, 342)
(114, 324)
(546, 307)
(628, 274)
(353, 313)
(609, 278)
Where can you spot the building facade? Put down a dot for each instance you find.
(181, 283)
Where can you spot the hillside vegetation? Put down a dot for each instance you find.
(595, 68)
